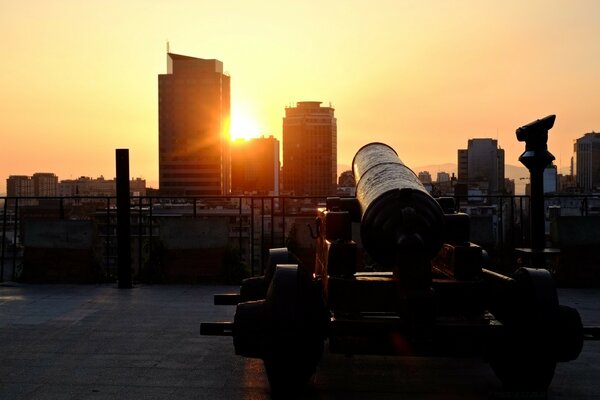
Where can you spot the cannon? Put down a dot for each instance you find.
(411, 283)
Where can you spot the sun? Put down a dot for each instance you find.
(243, 126)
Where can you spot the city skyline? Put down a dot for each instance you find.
(424, 77)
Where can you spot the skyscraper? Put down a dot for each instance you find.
(587, 154)
(255, 166)
(309, 149)
(193, 119)
(482, 164)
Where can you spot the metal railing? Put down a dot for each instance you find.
(256, 223)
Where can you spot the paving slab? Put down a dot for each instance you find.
(100, 342)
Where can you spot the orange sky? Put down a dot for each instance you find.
(78, 79)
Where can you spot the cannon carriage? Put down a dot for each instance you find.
(424, 291)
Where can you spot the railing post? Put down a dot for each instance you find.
(283, 220)
(107, 239)
(272, 222)
(151, 232)
(140, 233)
(251, 234)
(4, 213)
(123, 220)
(240, 230)
(15, 227)
(512, 222)
(262, 230)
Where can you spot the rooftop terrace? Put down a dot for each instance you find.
(100, 342)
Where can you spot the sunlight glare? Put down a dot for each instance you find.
(243, 126)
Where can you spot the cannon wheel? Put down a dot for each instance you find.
(297, 342)
(524, 358)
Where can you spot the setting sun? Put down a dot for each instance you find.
(243, 126)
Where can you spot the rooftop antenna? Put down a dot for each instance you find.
(168, 47)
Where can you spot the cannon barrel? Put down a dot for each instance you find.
(399, 218)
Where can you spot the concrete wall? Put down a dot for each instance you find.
(194, 250)
(60, 251)
(578, 239)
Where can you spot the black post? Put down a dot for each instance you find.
(123, 220)
(4, 213)
(536, 158)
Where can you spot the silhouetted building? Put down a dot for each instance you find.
(255, 166)
(346, 184)
(309, 149)
(482, 165)
(45, 184)
(567, 183)
(463, 165)
(346, 179)
(587, 153)
(85, 186)
(550, 179)
(193, 118)
(424, 177)
(509, 186)
(443, 177)
(19, 186)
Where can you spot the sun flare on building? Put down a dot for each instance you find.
(243, 126)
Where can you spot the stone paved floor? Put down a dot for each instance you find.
(99, 342)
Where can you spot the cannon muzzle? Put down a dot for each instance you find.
(399, 218)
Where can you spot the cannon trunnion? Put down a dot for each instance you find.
(411, 284)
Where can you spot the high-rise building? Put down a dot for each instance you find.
(463, 165)
(443, 177)
(550, 179)
(19, 186)
(424, 177)
(45, 184)
(309, 149)
(482, 164)
(587, 153)
(193, 119)
(255, 166)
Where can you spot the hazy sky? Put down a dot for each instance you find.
(78, 79)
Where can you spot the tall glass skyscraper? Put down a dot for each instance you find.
(193, 126)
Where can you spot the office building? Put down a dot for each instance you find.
(550, 179)
(309, 149)
(45, 184)
(19, 186)
(255, 166)
(587, 154)
(193, 118)
(481, 164)
(424, 177)
(443, 177)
